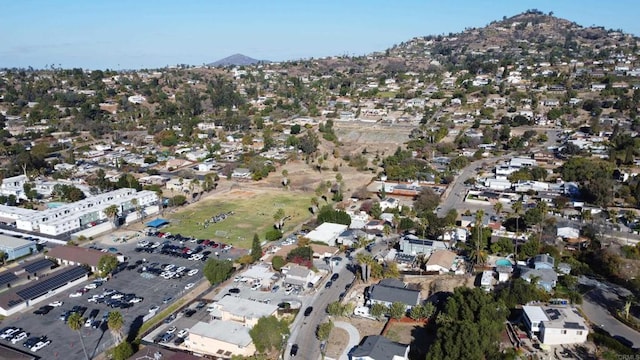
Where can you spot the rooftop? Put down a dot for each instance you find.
(379, 347)
(77, 254)
(10, 242)
(227, 331)
(245, 308)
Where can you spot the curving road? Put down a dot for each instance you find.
(593, 308)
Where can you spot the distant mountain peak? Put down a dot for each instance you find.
(237, 60)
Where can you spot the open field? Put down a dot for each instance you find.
(253, 212)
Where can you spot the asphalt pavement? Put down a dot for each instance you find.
(303, 330)
(599, 315)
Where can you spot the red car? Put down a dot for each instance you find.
(206, 242)
(215, 245)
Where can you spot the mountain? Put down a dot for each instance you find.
(237, 60)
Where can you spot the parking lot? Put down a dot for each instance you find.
(130, 280)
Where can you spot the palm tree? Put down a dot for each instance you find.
(75, 323)
(627, 306)
(207, 182)
(543, 207)
(517, 209)
(479, 216)
(111, 212)
(115, 323)
(497, 207)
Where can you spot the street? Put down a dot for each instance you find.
(303, 330)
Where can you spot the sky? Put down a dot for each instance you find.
(119, 34)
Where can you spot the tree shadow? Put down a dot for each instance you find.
(423, 336)
(134, 328)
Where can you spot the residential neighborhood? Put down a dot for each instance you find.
(465, 196)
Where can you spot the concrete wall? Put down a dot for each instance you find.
(94, 230)
(554, 336)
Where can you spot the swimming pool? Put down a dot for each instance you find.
(503, 262)
(53, 205)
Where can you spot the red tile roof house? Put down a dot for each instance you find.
(75, 255)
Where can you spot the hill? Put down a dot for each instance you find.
(237, 60)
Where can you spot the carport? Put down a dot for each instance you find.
(157, 223)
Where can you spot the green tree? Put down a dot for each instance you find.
(268, 332)
(107, 264)
(397, 310)
(273, 235)
(75, 323)
(123, 351)
(378, 310)
(324, 330)
(217, 271)
(335, 308)
(469, 327)
(426, 201)
(278, 262)
(256, 249)
(178, 200)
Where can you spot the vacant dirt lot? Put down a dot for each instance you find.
(432, 284)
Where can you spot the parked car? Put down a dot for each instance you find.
(154, 308)
(19, 337)
(294, 350)
(189, 286)
(56, 303)
(308, 310)
(40, 344)
(182, 333)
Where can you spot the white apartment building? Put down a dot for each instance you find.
(14, 186)
(73, 216)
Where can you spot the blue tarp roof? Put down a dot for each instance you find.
(157, 223)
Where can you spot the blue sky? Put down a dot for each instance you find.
(120, 34)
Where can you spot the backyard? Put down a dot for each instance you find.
(239, 213)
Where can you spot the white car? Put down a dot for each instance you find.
(91, 286)
(182, 333)
(171, 330)
(256, 286)
(9, 332)
(181, 269)
(39, 345)
(189, 286)
(135, 300)
(56, 303)
(143, 242)
(169, 267)
(192, 272)
(154, 308)
(75, 294)
(117, 296)
(88, 322)
(19, 337)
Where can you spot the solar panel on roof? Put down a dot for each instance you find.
(52, 283)
(7, 278)
(38, 265)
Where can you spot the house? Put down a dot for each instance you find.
(441, 261)
(76, 255)
(259, 273)
(15, 248)
(545, 278)
(327, 233)
(504, 273)
(222, 339)
(388, 291)
(242, 311)
(568, 232)
(378, 347)
(555, 325)
(350, 237)
(543, 261)
(390, 203)
(564, 268)
(486, 281)
(413, 245)
(241, 173)
(297, 275)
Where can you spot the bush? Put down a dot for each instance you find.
(278, 262)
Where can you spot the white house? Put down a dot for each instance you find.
(327, 233)
(555, 325)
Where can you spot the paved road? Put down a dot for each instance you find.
(304, 327)
(454, 198)
(599, 315)
(354, 337)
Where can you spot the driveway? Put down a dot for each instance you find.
(354, 338)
